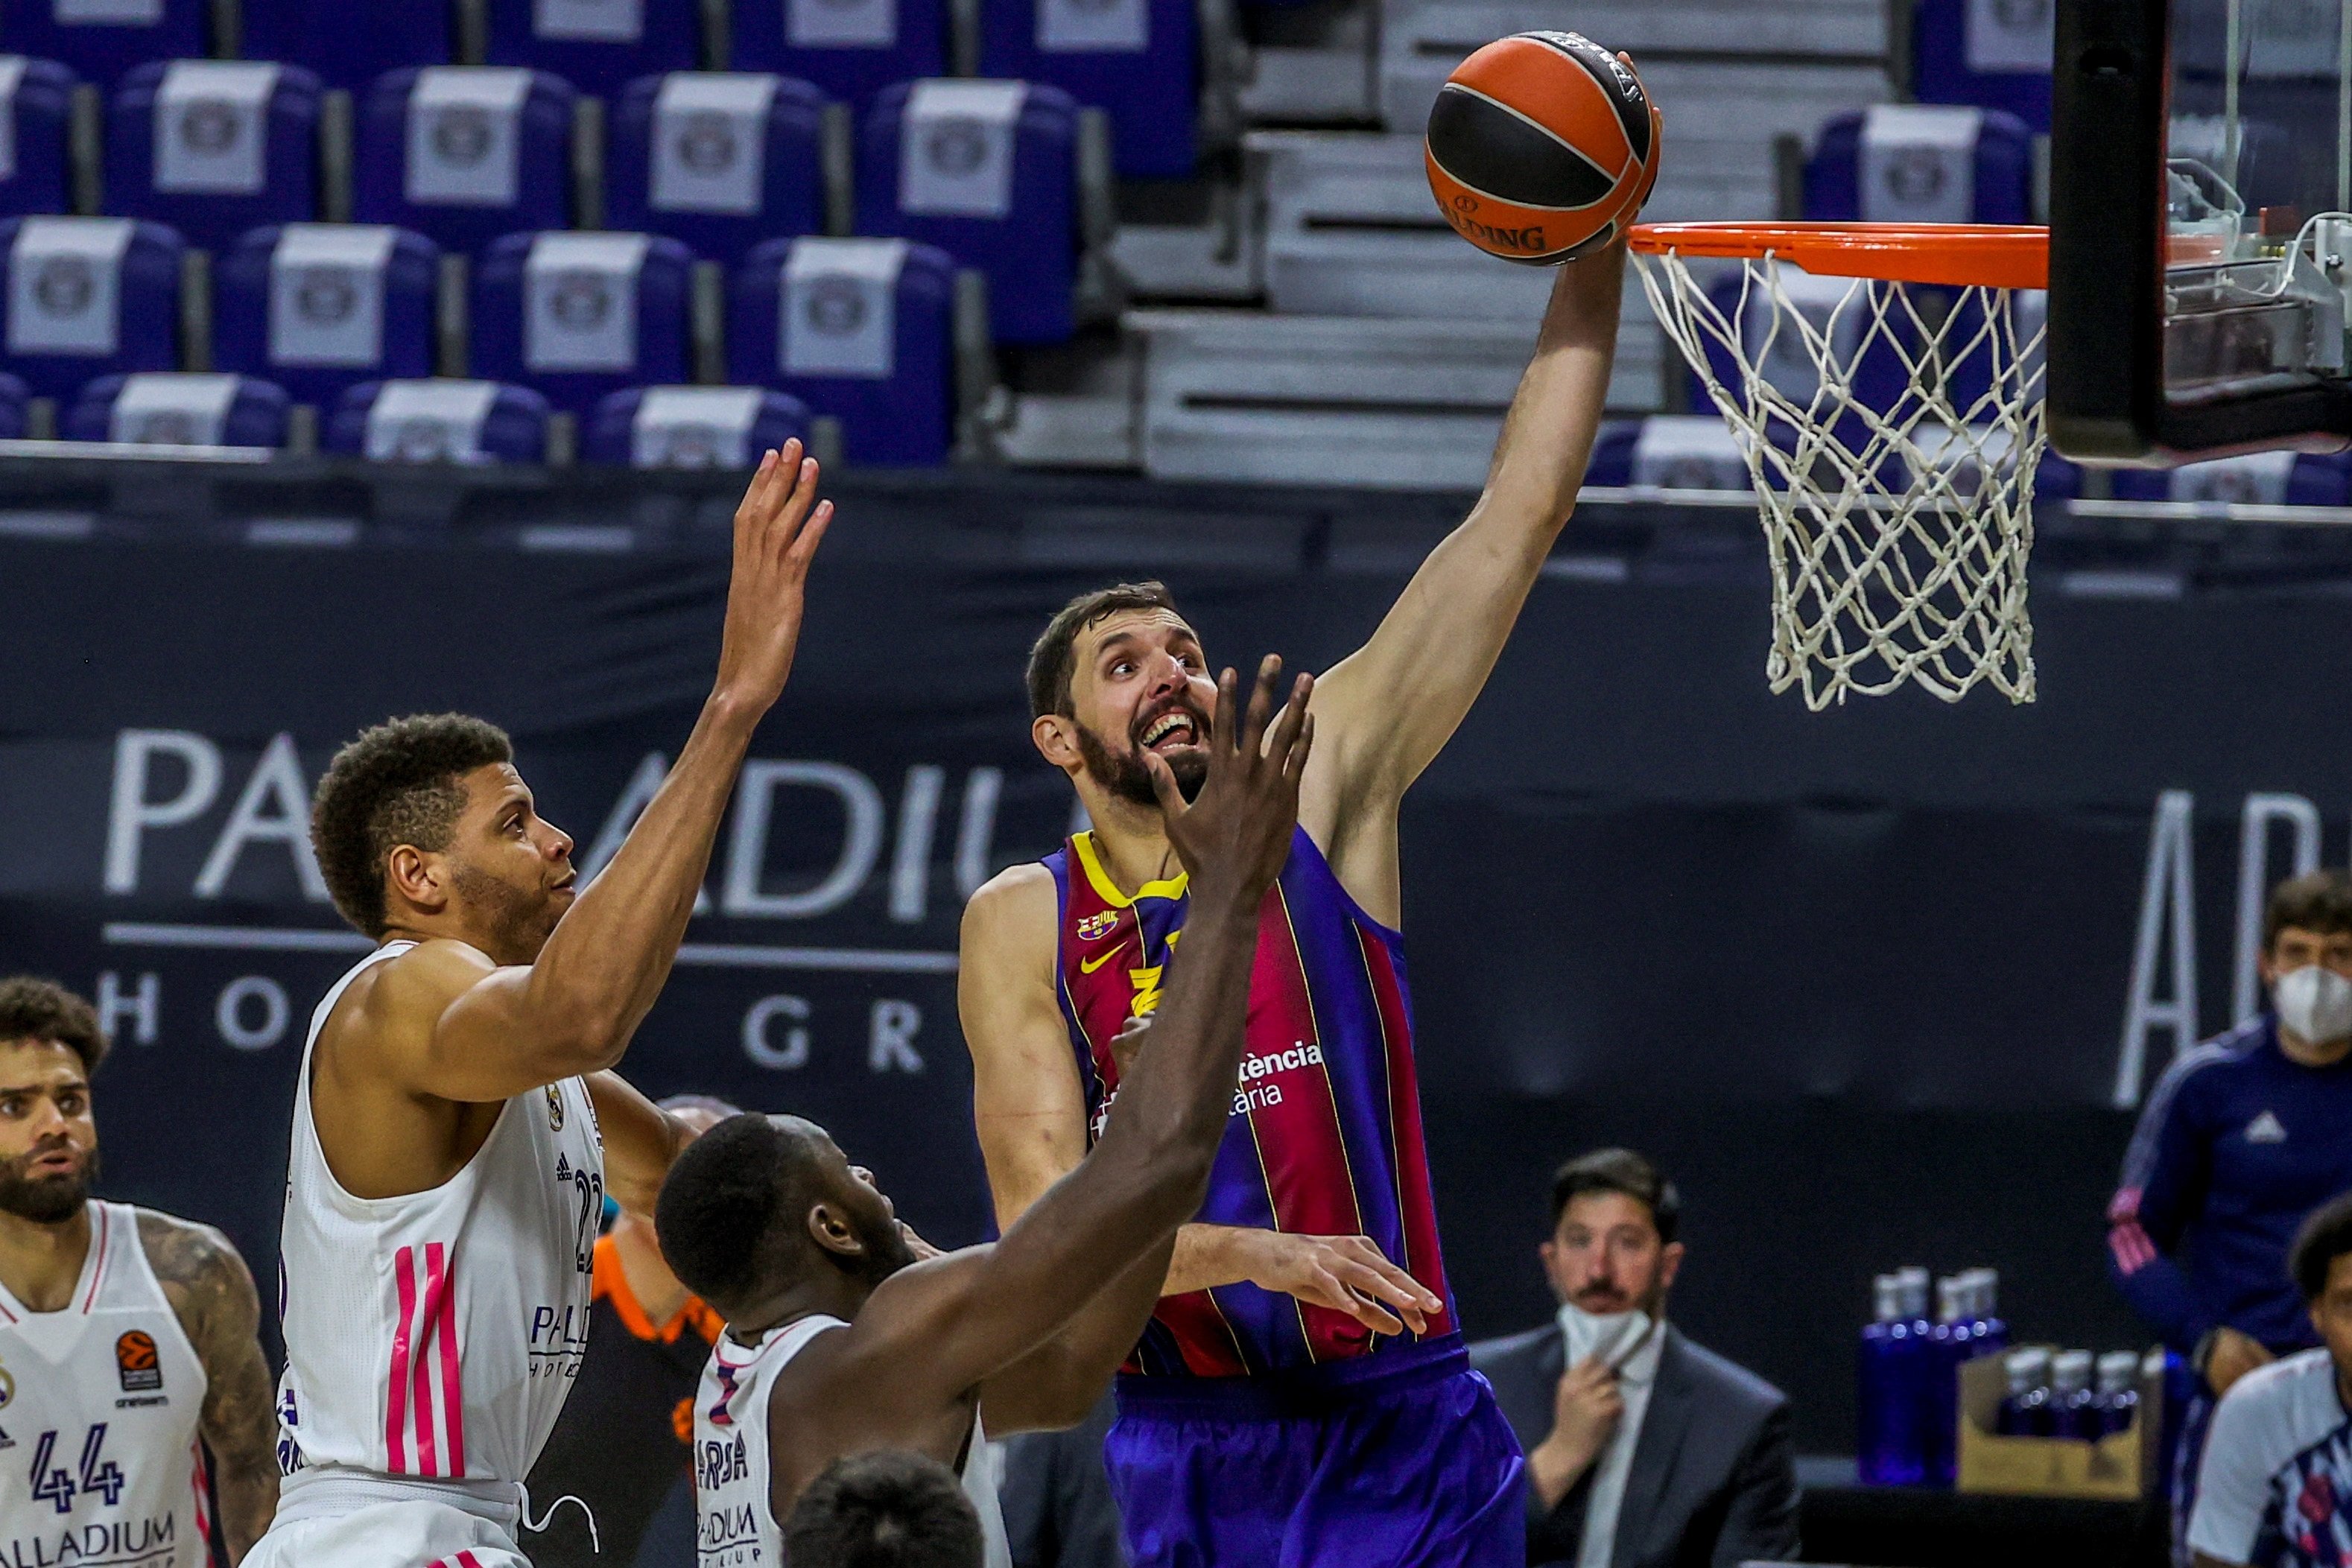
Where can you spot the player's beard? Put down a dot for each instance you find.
(886, 1251)
(45, 1201)
(517, 921)
(1124, 774)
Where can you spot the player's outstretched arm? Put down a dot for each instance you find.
(212, 1294)
(943, 1327)
(1389, 708)
(500, 1032)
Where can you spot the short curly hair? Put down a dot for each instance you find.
(723, 1201)
(396, 784)
(33, 1009)
(884, 1509)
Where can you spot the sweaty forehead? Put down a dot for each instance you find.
(1153, 628)
(491, 784)
(38, 1063)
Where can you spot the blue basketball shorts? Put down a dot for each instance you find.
(1394, 1460)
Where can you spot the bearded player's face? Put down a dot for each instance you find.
(48, 1137)
(510, 869)
(1140, 683)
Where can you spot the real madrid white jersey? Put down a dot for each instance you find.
(100, 1462)
(735, 1527)
(432, 1338)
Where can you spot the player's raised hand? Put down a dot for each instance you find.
(777, 530)
(1234, 834)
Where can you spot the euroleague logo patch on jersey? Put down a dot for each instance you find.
(135, 1358)
(1097, 925)
(554, 1109)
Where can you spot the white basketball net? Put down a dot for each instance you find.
(1898, 533)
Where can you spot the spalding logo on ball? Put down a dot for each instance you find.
(1542, 146)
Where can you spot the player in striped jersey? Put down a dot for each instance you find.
(127, 1337)
(1302, 1394)
(455, 1110)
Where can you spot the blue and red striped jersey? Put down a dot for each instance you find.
(1325, 1136)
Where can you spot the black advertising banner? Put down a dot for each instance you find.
(1644, 899)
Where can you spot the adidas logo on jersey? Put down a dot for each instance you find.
(2265, 1128)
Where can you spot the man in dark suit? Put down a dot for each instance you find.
(1643, 1449)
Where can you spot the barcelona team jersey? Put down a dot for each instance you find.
(1324, 1137)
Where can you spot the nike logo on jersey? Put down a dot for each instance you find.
(1088, 966)
(2265, 1129)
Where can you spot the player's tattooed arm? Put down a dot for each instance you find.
(211, 1293)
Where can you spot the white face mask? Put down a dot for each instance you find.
(1611, 1336)
(2315, 1002)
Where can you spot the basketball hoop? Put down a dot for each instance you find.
(1888, 400)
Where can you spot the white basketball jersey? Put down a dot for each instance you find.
(735, 1527)
(99, 1406)
(433, 1337)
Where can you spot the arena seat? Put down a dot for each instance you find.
(213, 147)
(716, 160)
(1835, 308)
(1993, 53)
(692, 427)
(439, 422)
(2254, 478)
(1135, 58)
(350, 43)
(1671, 451)
(851, 49)
(579, 316)
(463, 155)
(597, 45)
(176, 408)
(87, 298)
(1922, 164)
(13, 411)
(860, 329)
(987, 171)
(319, 308)
(36, 97)
(101, 39)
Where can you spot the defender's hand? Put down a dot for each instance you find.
(1345, 1273)
(777, 530)
(1234, 834)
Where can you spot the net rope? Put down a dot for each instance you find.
(1898, 527)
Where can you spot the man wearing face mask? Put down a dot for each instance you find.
(2242, 1139)
(1643, 1449)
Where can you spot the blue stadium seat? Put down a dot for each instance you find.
(719, 162)
(692, 427)
(350, 43)
(463, 155)
(37, 97)
(2255, 478)
(87, 298)
(12, 397)
(1922, 164)
(1994, 54)
(101, 39)
(597, 45)
(439, 422)
(860, 329)
(1671, 451)
(851, 49)
(172, 408)
(319, 307)
(579, 316)
(213, 147)
(1837, 308)
(1134, 57)
(987, 171)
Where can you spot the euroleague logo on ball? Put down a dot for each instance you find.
(1542, 147)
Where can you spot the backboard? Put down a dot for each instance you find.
(2198, 288)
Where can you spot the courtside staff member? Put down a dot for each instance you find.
(2244, 1137)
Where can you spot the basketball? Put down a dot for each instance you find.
(1542, 147)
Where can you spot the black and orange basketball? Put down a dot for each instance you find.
(1542, 146)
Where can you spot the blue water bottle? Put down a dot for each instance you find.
(2025, 1410)
(1949, 1344)
(2118, 1398)
(1889, 1391)
(1992, 1333)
